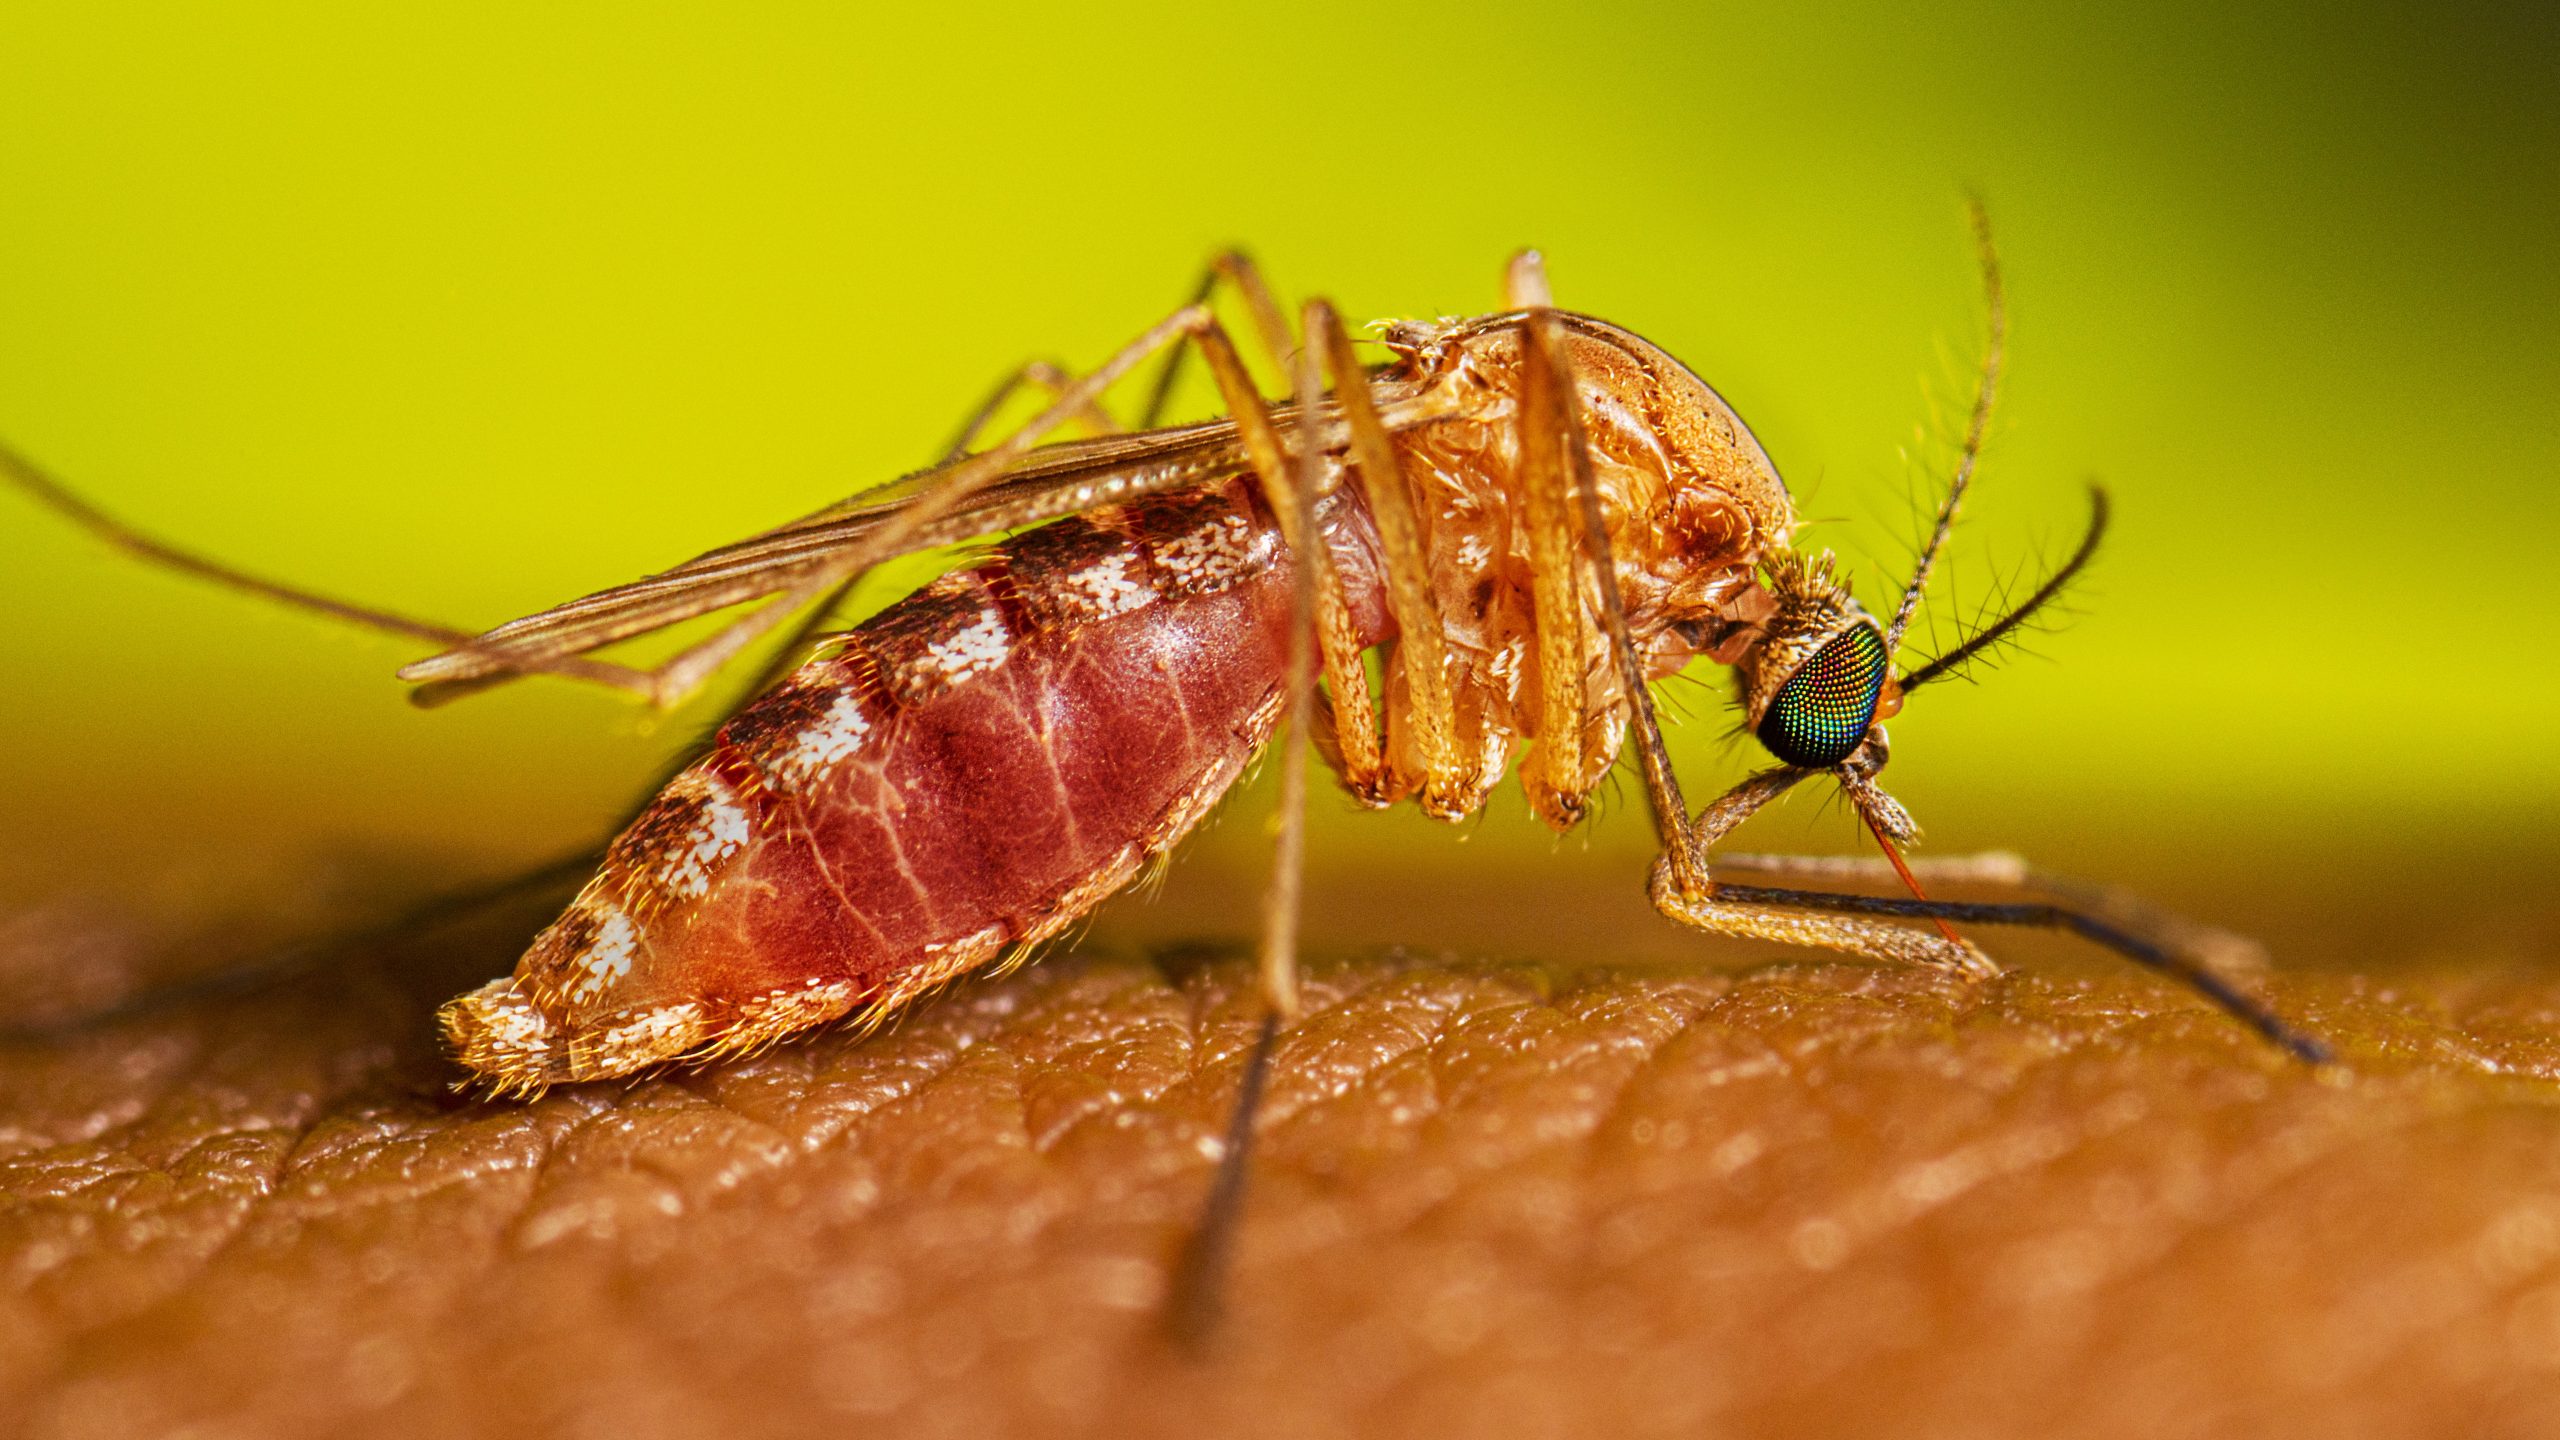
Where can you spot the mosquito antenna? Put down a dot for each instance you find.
(2001, 628)
(1985, 390)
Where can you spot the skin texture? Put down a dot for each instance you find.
(1689, 1188)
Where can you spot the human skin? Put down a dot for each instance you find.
(1740, 1190)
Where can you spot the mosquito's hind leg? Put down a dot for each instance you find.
(464, 669)
(1235, 269)
(1356, 748)
(1196, 1298)
(52, 493)
(1319, 634)
(1046, 376)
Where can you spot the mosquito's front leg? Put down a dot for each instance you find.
(1722, 910)
(2167, 958)
(1704, 905)
(2217, 949)
(1865, 925)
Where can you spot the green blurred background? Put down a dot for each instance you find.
(466, 309)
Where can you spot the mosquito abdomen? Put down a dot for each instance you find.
(959, 778)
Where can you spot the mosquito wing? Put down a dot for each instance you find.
(1050, 482)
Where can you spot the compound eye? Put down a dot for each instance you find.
(1821, 714)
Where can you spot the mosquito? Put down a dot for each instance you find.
(1530, 517)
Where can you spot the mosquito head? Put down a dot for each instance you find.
(1816, 671)
(1818, 678)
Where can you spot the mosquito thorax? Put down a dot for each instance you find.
(1692, 497)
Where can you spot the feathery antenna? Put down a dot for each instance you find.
(1993, 353)
(2002, 628)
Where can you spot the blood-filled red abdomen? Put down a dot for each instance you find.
(962, 776)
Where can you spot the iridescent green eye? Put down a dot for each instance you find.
(1821, 714)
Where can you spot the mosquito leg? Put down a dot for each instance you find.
(1199, 1273)
(1724, 911)
(1422, 645)
(1524, 283)
(1290, 484)
(1233, 268)
(1556, 462)
(1863, 925)
(1354, 745)
(1702, 904)
(52, 493)
(1565, 510)
(1557, 769)
(1843, 911)
(1553, 448)
(2213, 947)
(1042, 375)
